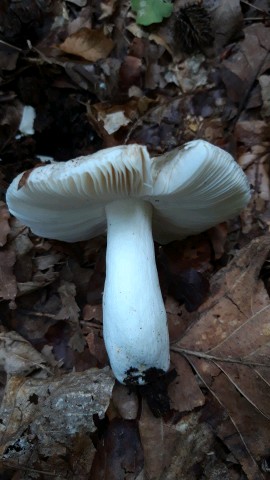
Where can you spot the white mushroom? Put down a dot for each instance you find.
(122, 189)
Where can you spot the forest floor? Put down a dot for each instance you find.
(96, 78)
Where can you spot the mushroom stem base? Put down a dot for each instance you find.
(134, 317)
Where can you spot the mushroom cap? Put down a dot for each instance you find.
(191, 189)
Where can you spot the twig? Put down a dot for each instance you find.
(21, 467)
(213, 358)
(253, 6)
(11, 46)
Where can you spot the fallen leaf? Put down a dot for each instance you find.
(46, 418)
(184, 392)
(240, 70)
(8, 56)
(152, 437)
(218, 237)
(92, 45)
(79, 3)
(39, 279)
(189, 74)
(118, 452)
(97, 348)
(230, 334)
(70, 312)
(125, 401)
(172, 451)
(8, 285)
(226, 19)
(264, 81)
(113, 118)
(4, 224)
(107, 8)
(17, 356)
(130, 72)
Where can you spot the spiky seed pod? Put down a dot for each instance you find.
(193, 28)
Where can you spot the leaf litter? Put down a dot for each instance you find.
(95, 78)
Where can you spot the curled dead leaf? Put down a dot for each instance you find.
(17, 356)
(92, 45)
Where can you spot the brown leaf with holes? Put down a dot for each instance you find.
(92, 45)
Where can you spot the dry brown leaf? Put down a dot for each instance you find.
(184, 392)
(125, 401)
(172, 451)
(17, 356)
(251, 59)
(265, 89)
(245, 432)
(97, 348)
(4, 224)
(119, 453)
(226, 16)
(8, 286)
(156, 454)
(231, 335)
(70, 312)
(218, 237)
(92, 45)
(39, 279)
(107, 7)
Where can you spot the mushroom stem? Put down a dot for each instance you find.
(134, 316)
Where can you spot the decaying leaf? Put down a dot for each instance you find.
(230, 335)
(119, 454)
(226, 20)
(8, 286)
(265, 88)
(17, 356)
(112, 82)
(70, 312)
(92, 45)
(184, 392)
(44, 420)
(172, 451)
(125, 401)
(4, 224)
(251, 59)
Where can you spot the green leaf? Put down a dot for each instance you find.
(151, 11)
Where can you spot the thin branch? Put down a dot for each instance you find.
(213, 358)
(254, 6)
(11, 46)
(21, 467)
